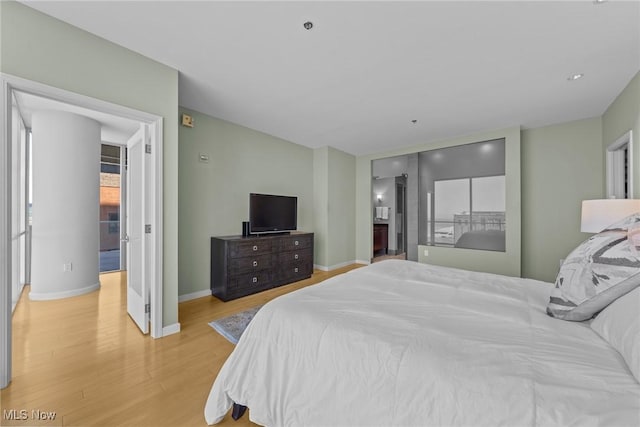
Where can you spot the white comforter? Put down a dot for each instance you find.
(399, 343)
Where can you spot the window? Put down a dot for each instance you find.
(452, 199)
(114, 223)
(110, 195)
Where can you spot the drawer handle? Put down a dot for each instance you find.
(295, 243)
(255, 280)
(255, 263)
(255, 247)
(295, 269)
(295, 256)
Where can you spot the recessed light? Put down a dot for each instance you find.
(599, 1)
(575, 77)
(308, 25)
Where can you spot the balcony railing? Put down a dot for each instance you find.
(109, 235)
(447, 233)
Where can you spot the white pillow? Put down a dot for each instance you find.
(619, 325)
(601, 269)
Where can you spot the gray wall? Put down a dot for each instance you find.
(413, 209)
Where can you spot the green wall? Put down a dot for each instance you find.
(341, 209)
(334, 206)
(494, 262)
(561, 166)
(622, 115)
(321, 205)
(214, 196)
(38, 47)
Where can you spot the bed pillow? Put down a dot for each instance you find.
(600, 270)
(619, 325)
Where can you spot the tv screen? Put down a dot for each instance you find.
(269, 213)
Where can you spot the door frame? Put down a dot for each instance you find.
(23, 234)
(154, 187)
(615, 163)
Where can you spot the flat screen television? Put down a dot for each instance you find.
(269, 213)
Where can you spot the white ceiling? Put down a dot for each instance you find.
(367, 69)
(113, 129)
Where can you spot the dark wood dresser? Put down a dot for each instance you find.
(242, 266)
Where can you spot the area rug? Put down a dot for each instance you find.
(232, 327)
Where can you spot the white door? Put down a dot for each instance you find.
(137, 289)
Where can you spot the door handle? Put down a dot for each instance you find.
(125, 238)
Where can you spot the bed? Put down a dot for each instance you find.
(399, 343)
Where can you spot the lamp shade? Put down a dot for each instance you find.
(599, 214)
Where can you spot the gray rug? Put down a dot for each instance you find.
(232, 327)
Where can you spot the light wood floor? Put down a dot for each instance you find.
(85, 360)
(383, 257)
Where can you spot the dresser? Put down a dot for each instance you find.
(242, 265)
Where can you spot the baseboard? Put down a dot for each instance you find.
(359, 261)
(40, 296)
(335, 266)
(194, 295)
(171, 329)
(15, 298)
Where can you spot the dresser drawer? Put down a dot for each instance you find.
(291, 243)
(296, 270)
(252, 247)
(257, 280)
(249, 264)
(296, 256)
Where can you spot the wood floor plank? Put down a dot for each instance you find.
(85, 360)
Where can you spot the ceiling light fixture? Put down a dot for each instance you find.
(414, 121)
(308, 25)
(599, 1)
(575, 77)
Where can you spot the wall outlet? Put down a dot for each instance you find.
(67, 267)
(426, 252)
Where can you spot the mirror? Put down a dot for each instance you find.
(463, 196)
(450, 197)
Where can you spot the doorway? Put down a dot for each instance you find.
(394, 188)
(620, 167)
(10, 174)
(113, 164)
